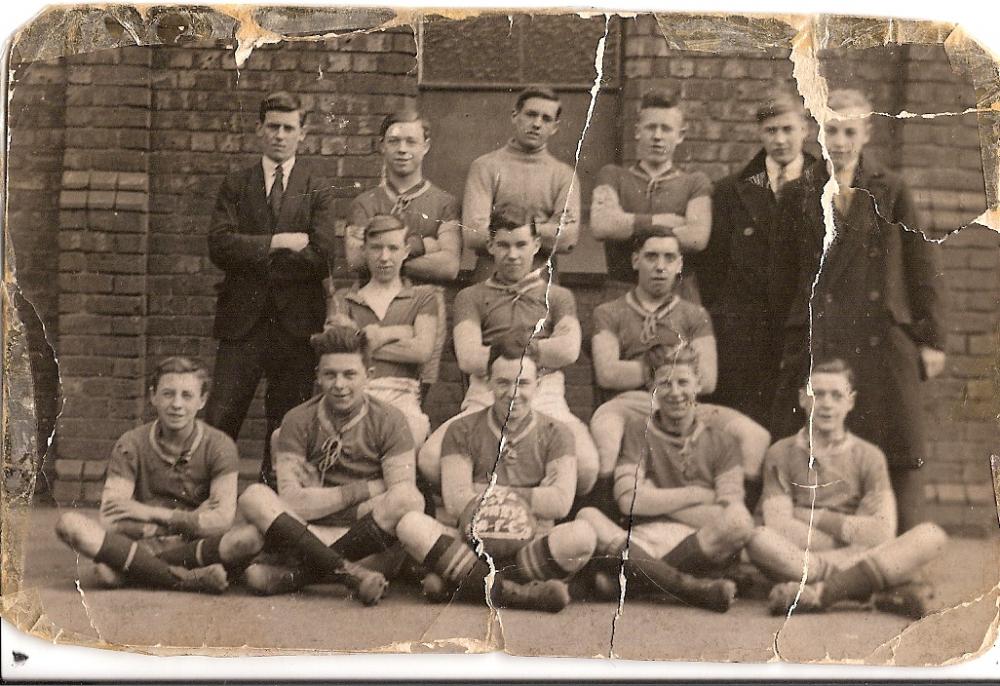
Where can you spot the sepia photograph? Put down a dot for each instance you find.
(635, 336)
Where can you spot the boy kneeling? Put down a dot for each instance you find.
(829, 509)
(169, 499)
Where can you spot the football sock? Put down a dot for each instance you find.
(365, 538)
(688, 557)
(286, 531)
(200, 553)
(653, 574)
(455, 561)
(855, 583)
(535, 561)
(130, 558)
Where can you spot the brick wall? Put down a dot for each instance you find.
(132, 281)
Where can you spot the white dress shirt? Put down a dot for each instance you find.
(793, 170)
(269, 166)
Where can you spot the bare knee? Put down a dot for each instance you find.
(397, 503)
(574, 539)
(240, 543)
(72, 528)
(931, 536)
(733, 529)
(256, 501)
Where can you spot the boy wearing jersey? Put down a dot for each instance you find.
(536, 463)
(653, 195)
(430, 214)
(680, 483)
(342, 457)
(626, 329)
(399, 320)
(169, 498)
(524, 173)
(521, 302)
(829, 509)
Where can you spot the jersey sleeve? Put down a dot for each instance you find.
(608, 176)
(124, 461)
(427, 302)
(358, 213)
(699, 324)
(223, 456)
(465, 307)
(395, 436)
(560, 442)
(563, 304)
(701, 187)
(776, 481)
(634, 445)
(605, 319)
(455, 441)
(291, 458)
(875, 483)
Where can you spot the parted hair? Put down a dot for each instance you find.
(342, 340)
(833, 365)
(384, 223)
(513, 345)
(845, 98)
(639, 238)
(405, 117)
(511, 217)
(282, 101)
(179, 365)
(777, 101)
(537, 91)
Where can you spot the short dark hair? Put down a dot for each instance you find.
(342, 340)
(833, 365)
(639, 238)
(658, 98)
(405, 117)
(513, 345)
(384, 223)
(537, 91)
(509, 218)
(282, 101)
(778, 101)
(662, 355)
(179, 365)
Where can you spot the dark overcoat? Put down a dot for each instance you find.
(743, 274)
(880, 296)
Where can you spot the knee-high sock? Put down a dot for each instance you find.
(288, 532)
(455, 561)
(688, 557)
(855, 583)
(654, 574)
(199, 553)
(536, 563)
(365, 538)
(130, 558)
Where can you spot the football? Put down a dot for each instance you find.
(502, 520)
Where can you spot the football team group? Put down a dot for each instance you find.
(675, 489)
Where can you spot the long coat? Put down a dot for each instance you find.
(259, 282)
(746, 285)
(879, 297)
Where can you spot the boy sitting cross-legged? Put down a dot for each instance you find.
(169, 498)
(342, 458)
(829, 509)
(530, 455)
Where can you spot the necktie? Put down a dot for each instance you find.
(780, 181)
(274, 198)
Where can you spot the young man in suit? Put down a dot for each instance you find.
(743, 271)
(272, 236)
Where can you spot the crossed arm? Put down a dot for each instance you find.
(608, 220)
(616, 374)
(122, 512)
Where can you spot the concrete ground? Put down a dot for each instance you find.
(322, 619)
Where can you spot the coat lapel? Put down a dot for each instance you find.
(257, 198)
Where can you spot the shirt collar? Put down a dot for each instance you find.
(355, 296)
(270, 165)
(190, 445)
(533, 279)
(678, 442)
(640, 170)
(524, 429)
(793, 169)
(515, 147)
(840, 447)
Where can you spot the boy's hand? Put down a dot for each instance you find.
(933, 361)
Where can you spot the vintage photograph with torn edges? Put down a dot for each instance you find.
(651, 337)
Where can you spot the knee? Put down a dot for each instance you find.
(577, 539)
(401, 501)
(735, 526)
(70, 528)
(412, 526)
(931, 536)
(241, 543)
(255, 498)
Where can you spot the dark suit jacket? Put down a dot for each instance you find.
(258, 281)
